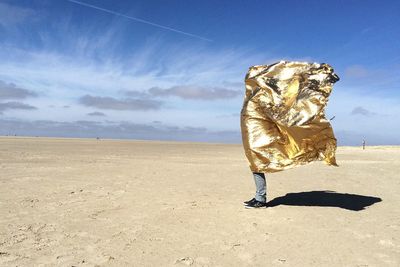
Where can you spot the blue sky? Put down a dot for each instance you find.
(174, 70)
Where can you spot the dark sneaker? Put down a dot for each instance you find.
(256, 204)
(249, 201)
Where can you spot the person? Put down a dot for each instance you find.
(283, 122)
(260, 198)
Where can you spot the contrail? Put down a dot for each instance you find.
(139, 20)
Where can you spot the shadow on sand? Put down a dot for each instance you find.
(325, 199)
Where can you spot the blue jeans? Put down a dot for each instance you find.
(261, 187)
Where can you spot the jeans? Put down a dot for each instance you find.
(261, 187)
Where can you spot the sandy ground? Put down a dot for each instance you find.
(76, 202)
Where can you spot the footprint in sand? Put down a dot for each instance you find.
(185, 260)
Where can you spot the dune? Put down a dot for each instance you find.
(88, 202)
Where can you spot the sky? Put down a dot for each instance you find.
(174, 70)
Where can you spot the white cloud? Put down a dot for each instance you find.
(15, 105)
(195, 92)
(60, 73)
(96, 113)
(120, 104)
(62, 79)
(11, 91)
(377, 123)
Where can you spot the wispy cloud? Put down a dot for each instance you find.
(87, 67)
(63, 78)
(142, 69)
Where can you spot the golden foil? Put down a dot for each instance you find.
(282, 120)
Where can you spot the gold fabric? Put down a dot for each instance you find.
(282, 120)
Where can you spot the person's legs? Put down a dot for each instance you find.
(261, 187)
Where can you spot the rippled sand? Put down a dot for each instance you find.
(88, 202)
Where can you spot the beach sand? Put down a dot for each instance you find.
(82, 202)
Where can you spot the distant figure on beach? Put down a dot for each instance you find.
(283, 121)
(363, 144)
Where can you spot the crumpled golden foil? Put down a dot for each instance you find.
(282, 120)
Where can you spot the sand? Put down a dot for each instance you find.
(77, 202)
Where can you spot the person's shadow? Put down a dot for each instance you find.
(325, 199)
